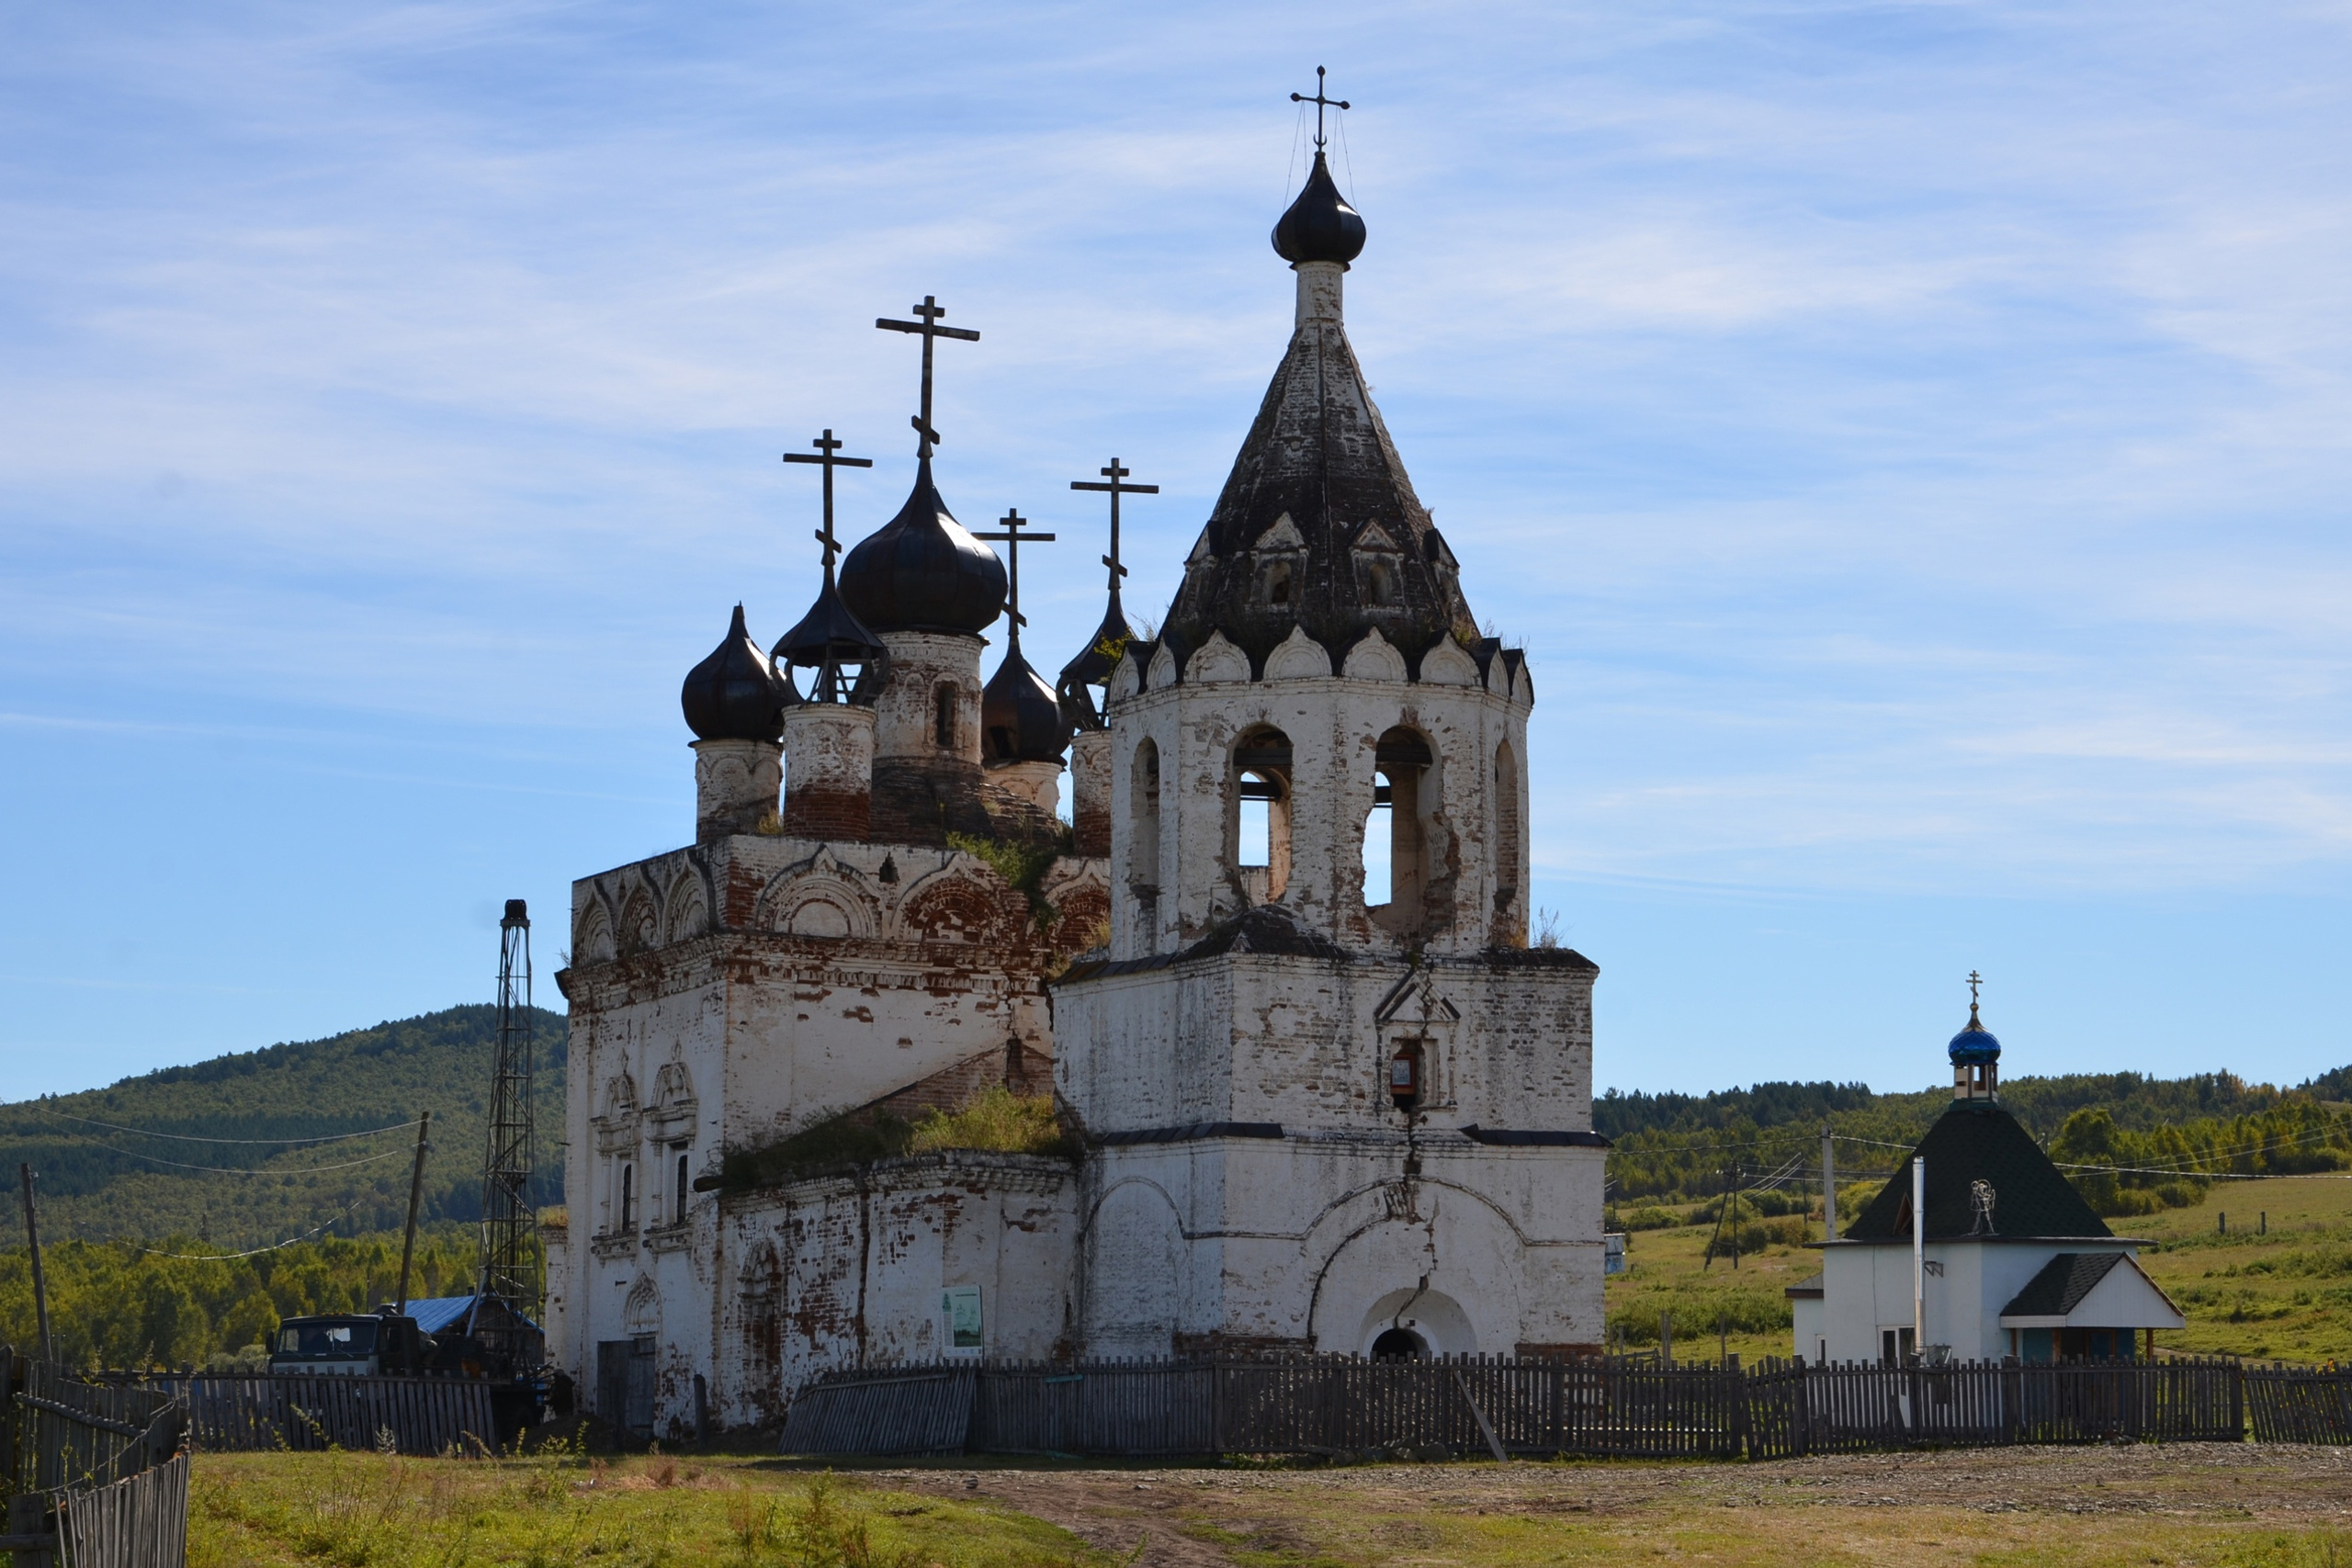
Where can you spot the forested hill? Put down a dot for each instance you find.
(1687, 1147)
(180, 1169)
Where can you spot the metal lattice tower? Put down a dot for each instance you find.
(511, 1262)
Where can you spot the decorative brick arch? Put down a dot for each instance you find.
(640, 925)
(954, 906)
(820, 898)
(591, 936)
(689, 915)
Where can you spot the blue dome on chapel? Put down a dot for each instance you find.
(1975, 1045)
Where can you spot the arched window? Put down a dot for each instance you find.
(629, 1196)
(1143, 810)
(942, 716)
(1380, 581)
(1404, 793)
(684, 1188)
(1507, 837)
(1258, 840)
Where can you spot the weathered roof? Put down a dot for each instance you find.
(733, 695)
(922, 570)
(1978, 1141)
(1268, 927)
(1812, 1287)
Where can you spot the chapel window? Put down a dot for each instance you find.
(629, 1196)
(1380, 581)
(1275, 583)
(1143, 841)
(942, 716)
(684, 1188)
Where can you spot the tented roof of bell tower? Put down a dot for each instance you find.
(1318, 459)
(1318, 525)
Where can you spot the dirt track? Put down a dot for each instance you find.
(1188, 1515)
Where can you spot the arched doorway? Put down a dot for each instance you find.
(1399, 1345)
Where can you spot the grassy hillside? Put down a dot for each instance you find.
(97, 1182)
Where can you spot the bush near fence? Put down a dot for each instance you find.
(1336, 1407)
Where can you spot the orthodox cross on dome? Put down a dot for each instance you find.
(1975, 980)
(826, 448)
(1320, 103)
(927, 327)
(1014, 538)
(1114, 474)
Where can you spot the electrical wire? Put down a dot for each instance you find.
(255, 1252)
(264, 1171)
(192, 1138)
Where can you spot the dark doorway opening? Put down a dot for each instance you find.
(1397, 1345)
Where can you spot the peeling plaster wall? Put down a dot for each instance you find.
(847, 1269)
(1294, 1241)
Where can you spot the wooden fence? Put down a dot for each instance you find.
(1336, 1405)
(230, 1412)
(97, 1470)
(2299, 1405)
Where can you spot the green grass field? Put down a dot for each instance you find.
(2216, 1505)
(2285, 1295)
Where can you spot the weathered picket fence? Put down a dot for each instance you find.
(1505, 1406)
(241, 1412)
(95, 1471)
(2299, 1405)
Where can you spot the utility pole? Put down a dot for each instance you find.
(415, 1192)
(40, 1285)
(1919, 1256)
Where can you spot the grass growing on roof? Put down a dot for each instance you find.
(1022, 866)
(995, 1121)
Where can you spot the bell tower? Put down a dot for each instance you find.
(1329, 1087)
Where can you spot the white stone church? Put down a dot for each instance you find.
(1298, 1121)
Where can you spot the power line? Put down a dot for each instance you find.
(264, 1170)
(192, 1138)
(255, 1252)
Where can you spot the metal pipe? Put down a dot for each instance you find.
(1919, 1256)
(1828, 1185)
(415, 1192)
(40, 1284)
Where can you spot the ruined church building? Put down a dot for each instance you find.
(1291, 1119)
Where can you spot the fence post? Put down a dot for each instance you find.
(1733, 1384)
(2237, 1399)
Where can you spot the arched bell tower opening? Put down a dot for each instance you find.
(1143, 842)
(1404, 794)
(1258, 820)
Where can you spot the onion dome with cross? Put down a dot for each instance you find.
(922, 570)
(845, 660)
(1020, 719)
(734, 694)
(1086, 678)
(1320, 226)
(1975, 1045)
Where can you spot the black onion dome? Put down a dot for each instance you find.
(1020, 720)
(1320, 226)
(828, 633)
(922, 570)
(1092, 667)
(734, 694)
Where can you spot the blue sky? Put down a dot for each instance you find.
(1910, 439)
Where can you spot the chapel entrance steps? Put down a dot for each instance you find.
(1347, 1407)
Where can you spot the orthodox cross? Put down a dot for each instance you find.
(928, 328)
(1013, 538)
(1973, 981)
(826, 447)
(1320, 103)
(1114, 474)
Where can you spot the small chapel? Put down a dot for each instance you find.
(1294, 1110)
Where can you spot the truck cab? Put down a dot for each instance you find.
(351, 1344)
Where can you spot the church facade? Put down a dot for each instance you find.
(1297, 1110)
